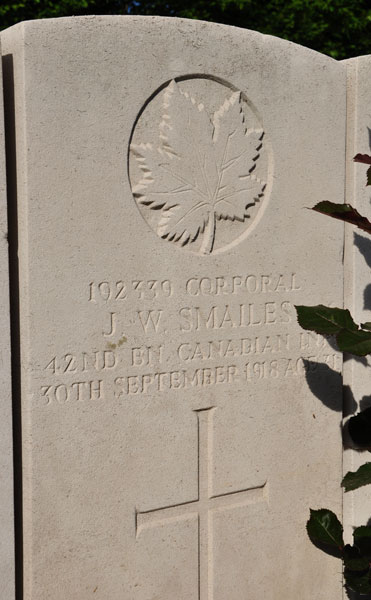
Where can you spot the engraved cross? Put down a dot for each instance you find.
(204, 507)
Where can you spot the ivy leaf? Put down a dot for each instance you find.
(362, 158)
(325, 320)
(338, 322)
(353, 560)
(202, 169)
(344, 212)
(356, 342)
(325, 530)
(362, 540)
(359, 428)
(355, 480)
(357, 564)
(360, 584)
(366, 325)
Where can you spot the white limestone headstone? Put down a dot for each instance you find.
(7, 564)
(172, 445)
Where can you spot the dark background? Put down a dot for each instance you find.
(339, 28)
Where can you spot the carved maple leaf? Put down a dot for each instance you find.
(202, 169)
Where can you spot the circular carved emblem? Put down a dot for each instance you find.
(198, 164)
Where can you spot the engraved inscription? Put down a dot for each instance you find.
(242, 284)
(231, 316)
(78, 391)
(200, 169)
(205, 507)
(111, 330)
(150, 320)
(106, 292)
(155, 336)
(114, 291)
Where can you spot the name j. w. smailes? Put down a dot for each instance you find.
(234, 316)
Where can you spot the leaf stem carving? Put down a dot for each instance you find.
(209, 235)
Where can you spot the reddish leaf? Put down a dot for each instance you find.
(362, 158)
(344, 212)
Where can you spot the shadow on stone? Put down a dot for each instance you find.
(365, 403)
(367, 297)
(349, 402)
(357, 430)
(331, 340)
(360, 359)
(324, 383)
(348, 442)
(364, 246)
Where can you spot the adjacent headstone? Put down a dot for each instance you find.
(7, 571)
(357, 372)
(175, 417)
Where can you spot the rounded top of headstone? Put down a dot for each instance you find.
(151, 25)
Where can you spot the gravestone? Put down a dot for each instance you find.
(356, 373)
(6, 439)
(174, 416)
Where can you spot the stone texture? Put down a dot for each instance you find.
(357, 378)
(175, 417)
(6, 444)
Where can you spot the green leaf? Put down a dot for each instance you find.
(344, 212)
(339, 322)
(366, 325)
(353, 560)
(356, 342)
(324, 529)
(355, 480)
(362, 539)
(357, 564)
(360, 584)
(325, 320)
(359, 428)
